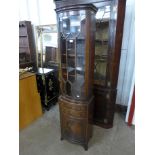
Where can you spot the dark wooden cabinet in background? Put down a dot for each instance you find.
(26, 45)
(76, 47)
(109, 31)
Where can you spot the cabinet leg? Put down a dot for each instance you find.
(61, 138)
(86, 147)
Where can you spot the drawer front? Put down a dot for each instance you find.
(74, 113)
(23, 42)
(74, 106)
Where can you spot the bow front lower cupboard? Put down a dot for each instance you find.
(90, 37)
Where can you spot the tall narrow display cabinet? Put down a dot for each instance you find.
(108, 41)
(76, 25)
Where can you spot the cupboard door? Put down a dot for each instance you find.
(74, 128)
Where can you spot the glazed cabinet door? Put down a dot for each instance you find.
(109, 30)
(72, 51)
(102, 45)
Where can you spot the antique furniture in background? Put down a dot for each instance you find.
(76, 46)
(109, 30)
(47, 64)
(50, 54)
(26, 45)
(29, 100)
(46, 45)
(48, 86)
(51, 58)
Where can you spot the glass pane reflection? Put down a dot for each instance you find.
(101, 44)
(72, 46)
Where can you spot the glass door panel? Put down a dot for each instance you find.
(73, 53)
(78, 89)
(101, 44)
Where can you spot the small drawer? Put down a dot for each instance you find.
(74, 106)
(74, 113)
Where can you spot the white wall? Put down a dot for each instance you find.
(130, 100)
(39, 12)
(127, 62)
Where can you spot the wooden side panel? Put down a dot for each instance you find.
(29, 101)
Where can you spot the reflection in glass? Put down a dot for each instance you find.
(72, 46)
(46, 45)
(101, 44)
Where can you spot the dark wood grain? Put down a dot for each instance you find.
(76, 120)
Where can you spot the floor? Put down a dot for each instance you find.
(43, 138)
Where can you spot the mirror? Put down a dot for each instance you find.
(46, 45)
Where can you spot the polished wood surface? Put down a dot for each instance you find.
(29, 100)
(76, 120)
(104, 106)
